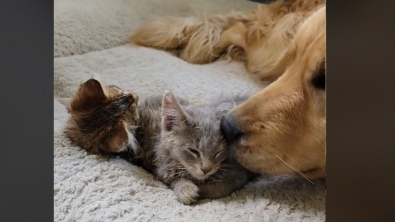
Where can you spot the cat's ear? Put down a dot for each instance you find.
(92, 91)
(172, 113)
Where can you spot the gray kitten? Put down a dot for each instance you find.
(178, 141)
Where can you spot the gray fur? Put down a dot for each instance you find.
(169, 128)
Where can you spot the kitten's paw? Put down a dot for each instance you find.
(168, 174)
(186, 191)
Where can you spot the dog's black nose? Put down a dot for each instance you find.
(229, 128)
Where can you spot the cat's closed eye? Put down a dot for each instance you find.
(218, 154)
(194, 152)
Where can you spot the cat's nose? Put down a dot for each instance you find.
(206, 170)
(229, 128)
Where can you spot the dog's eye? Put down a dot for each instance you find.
(319, 79)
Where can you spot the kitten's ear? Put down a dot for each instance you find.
(172, 113)
(92, 91)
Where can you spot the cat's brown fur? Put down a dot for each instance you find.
(100, 116)
(177, 141)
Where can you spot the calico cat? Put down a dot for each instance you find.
(177, 141)
(102, 119)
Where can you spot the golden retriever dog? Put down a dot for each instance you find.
(282, 129)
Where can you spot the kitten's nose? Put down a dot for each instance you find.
(229, 128)
(206, 170)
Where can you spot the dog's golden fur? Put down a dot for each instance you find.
(284, 125)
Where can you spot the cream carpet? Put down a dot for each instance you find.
(90, 37)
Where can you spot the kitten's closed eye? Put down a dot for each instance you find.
(194, 152)
(219, 153)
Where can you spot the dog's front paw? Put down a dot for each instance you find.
(186, 191)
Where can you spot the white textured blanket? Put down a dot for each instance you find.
(90, 36)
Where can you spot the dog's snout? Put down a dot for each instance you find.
(230, 128)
